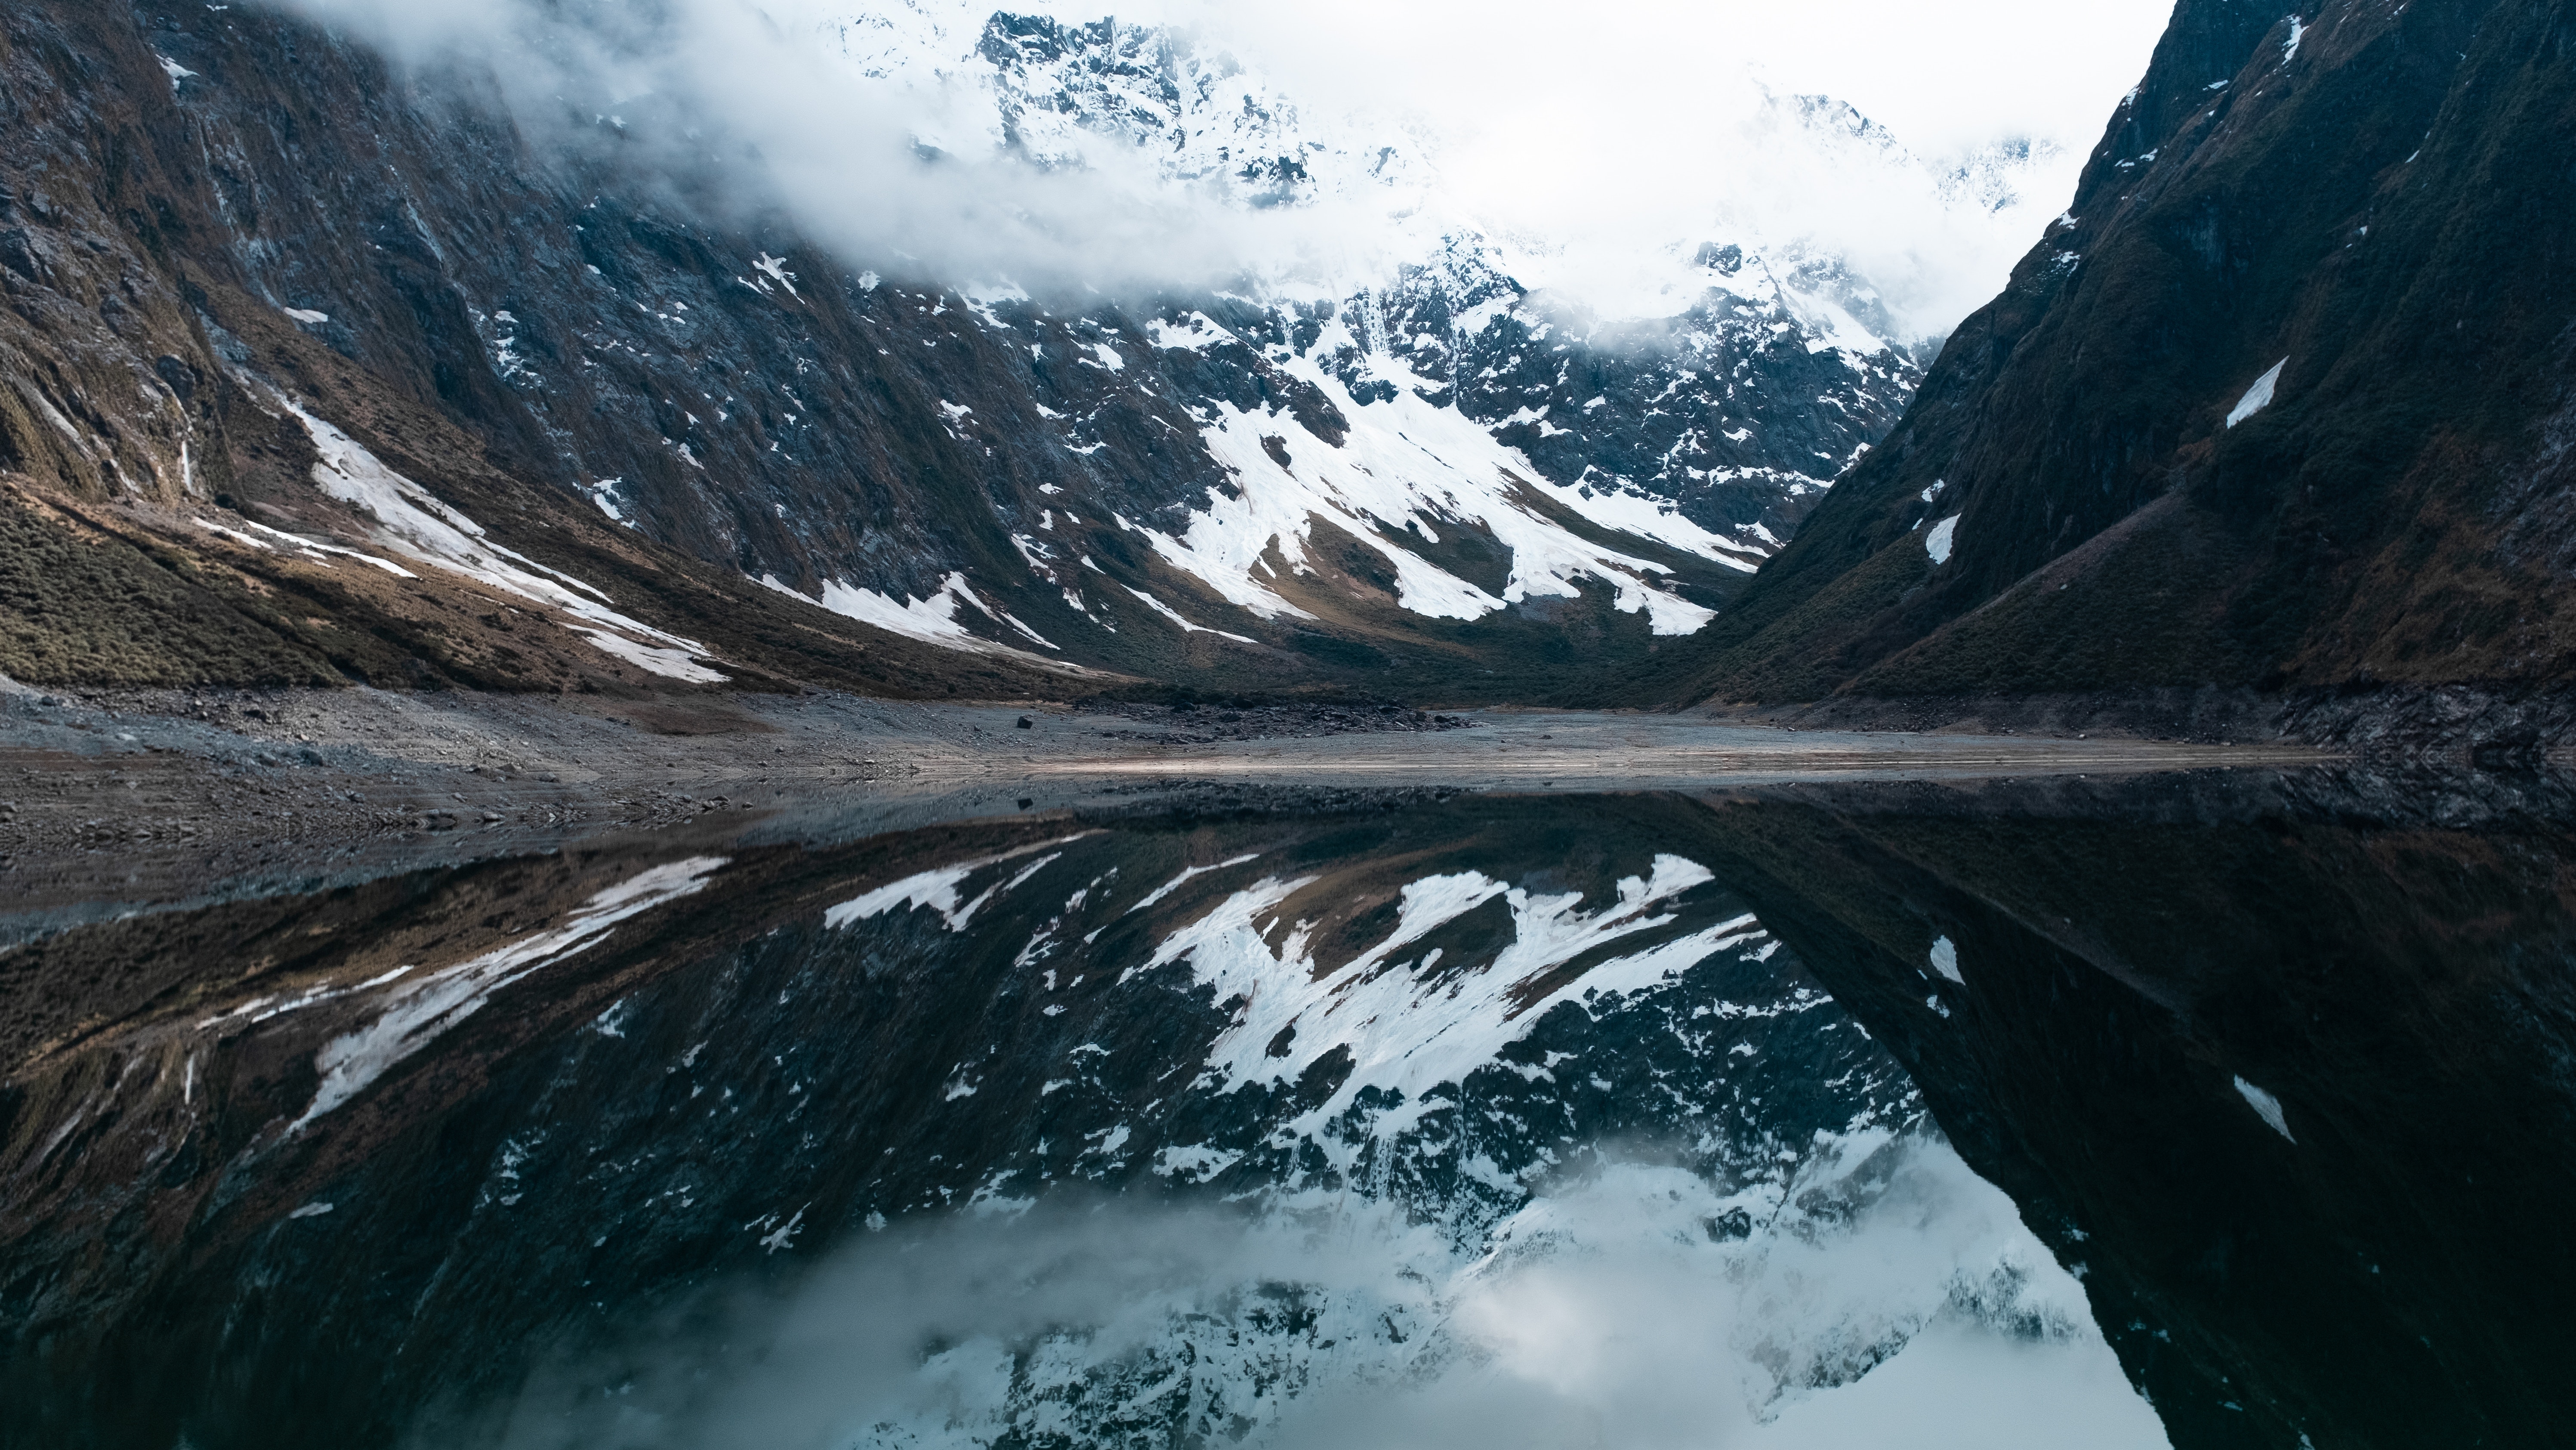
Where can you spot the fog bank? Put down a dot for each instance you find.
(1595, 146)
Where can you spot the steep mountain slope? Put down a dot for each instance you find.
(272, 299)
(209, 478)
(2283, 402)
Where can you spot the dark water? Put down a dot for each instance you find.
(2210, 1112)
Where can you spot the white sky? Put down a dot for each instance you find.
(1608, 132)
(1610, 125)
(1943, 75)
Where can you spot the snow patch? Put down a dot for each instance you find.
(604, 493)
(2265, 1106)
(417, 525)
(1174, 615)
(1198, 331)
(775, 269)
(932, 620)
(1407, 465)
(2257, 397)
(316, 546)
(1938, 542)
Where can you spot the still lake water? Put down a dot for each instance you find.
(2207, 1111)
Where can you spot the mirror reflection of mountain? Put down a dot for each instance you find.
(620, 1145)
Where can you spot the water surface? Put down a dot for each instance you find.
(2212, 1110)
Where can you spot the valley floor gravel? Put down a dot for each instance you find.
(117, 802)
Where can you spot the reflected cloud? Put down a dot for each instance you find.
(1882, 1289)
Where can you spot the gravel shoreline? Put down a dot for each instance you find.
(111, 801)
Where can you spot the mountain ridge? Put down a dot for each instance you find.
(2215, 433)
(291, 249)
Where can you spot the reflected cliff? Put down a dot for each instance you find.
(1774, 1120)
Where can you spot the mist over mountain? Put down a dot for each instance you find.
(1359, 138)
(1073, 351)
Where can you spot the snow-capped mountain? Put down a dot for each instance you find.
(1397, 449)
(1708, 428)
(1668, 403)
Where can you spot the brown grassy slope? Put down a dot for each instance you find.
(134, 349)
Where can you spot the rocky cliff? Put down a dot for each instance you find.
(2282, 402)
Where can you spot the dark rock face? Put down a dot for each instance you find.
(581, 349)
(2280, 404)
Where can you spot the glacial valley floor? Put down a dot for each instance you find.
(116, 803)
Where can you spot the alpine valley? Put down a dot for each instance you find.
(326, 369)
(873, 725)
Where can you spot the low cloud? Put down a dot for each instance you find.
(1597, 145)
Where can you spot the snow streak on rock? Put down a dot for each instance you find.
(1405, 472)
(414, 523)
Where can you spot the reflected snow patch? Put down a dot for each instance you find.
(938, 889)
(1407, 1027)
(2265, 1106)
(417, 1013)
